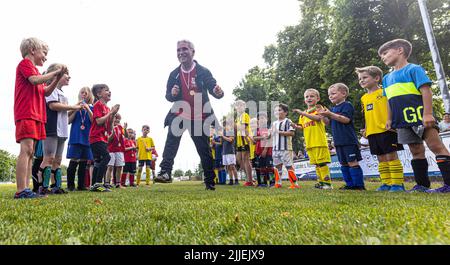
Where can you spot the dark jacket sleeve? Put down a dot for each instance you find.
(210, 83)
(173, 80)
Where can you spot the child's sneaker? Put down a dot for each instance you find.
(327, 187)
(236, 182)
(99, 188)
(26, 194)
(318, 185)
(262, 185)
(294, 186)
(42, 191)
(397, 188)
(384, 187)
(277, 186)
(345, 187)
(248, 184)
(418, 188)
(57, 190)
(231, 182)
(443, 189)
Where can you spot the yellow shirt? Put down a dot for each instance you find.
(241, 122)
(374, 106)
(142, 143)
(252, 150)
(313, 131)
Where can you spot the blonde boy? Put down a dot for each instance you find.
(315, 135)
(243, 140)
(145, 145)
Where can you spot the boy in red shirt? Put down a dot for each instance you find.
(130, 158)
(30, 113)
(116, 149)
(98, 135)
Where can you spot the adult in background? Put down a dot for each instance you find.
(188, 87)
(444, 125)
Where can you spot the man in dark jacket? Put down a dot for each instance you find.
(188, 87)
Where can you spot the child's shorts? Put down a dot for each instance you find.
(229, 160)
(130, 167)
(384, 143)
(348, 153)
(148, 163)
(319, 155)
(263, 162)
(30, 129)
(78, 151)
(412, 135)
(283, 157)
(117, 159)
(243, 148)
(53, 146)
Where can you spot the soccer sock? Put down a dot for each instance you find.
(58, 180)
(270, 174)
(346, 176)
(318, 173)
(357, 176)
(123, 179)
(292, 177)
(325, 175)
(258, 175)
(385, 173)
(138, 176)
(216, 176)
(46, 175)
(420, 169)
(40, 176)
(224, 176)
(443, 163)
(147, 176)
(277, 176)
(396, 170)
(71, 173)
(81, 173)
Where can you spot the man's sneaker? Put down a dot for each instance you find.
(418, 188)
(277, 186)
(384, 187)
(248, 184)
(397, 188)
(26, 194)
(294, 186)
(163, 177)
(443, 189)
(99, 188)
(57, 190)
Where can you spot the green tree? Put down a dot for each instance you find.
(198, 173)
(189, 174)
(7, 166)
(178, 173)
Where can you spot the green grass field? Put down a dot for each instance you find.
(184, 213)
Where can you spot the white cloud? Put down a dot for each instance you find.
(131, 46)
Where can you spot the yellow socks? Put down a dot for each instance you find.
(385, 173)
(147, 176)
(396, 169)
(325, 176)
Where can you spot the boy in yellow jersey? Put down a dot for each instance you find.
(144, 145)
(212, 146)
(252, 144)
(243, 139)
(382, 142)
(315, 138)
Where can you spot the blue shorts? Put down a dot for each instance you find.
(218, 163)
(78, 151)
(348, 153)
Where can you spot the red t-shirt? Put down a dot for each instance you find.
(260, 144)
(187, 85)
(29, 99)
(98, 133)
(117, 144)
(130, 155)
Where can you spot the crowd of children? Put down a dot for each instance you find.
(397, 110)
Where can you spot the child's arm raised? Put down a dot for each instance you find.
(427, 98)
(114, 110)
(331, 115)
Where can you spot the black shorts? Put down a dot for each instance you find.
(218, 163)
(130, 167)
(147, 163)
(245, 148)
(263, 162)
(348, 153)
(384, 143)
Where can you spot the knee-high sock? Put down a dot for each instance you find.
(58, 180)
(71, 173)
(396, 170)
(81, 174)
(131, 179)
(147, 175)
(357, 176)
(123, 179)
(420, 169)
(223, 175)
(46, 175)
(385, 173)
(277, 176)
(318, 173)
(346, 176)
(292, 177)
(216, 176)
(325, 174)
(270, 174)
(258, 175)
(138, 176)
(444, 166)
